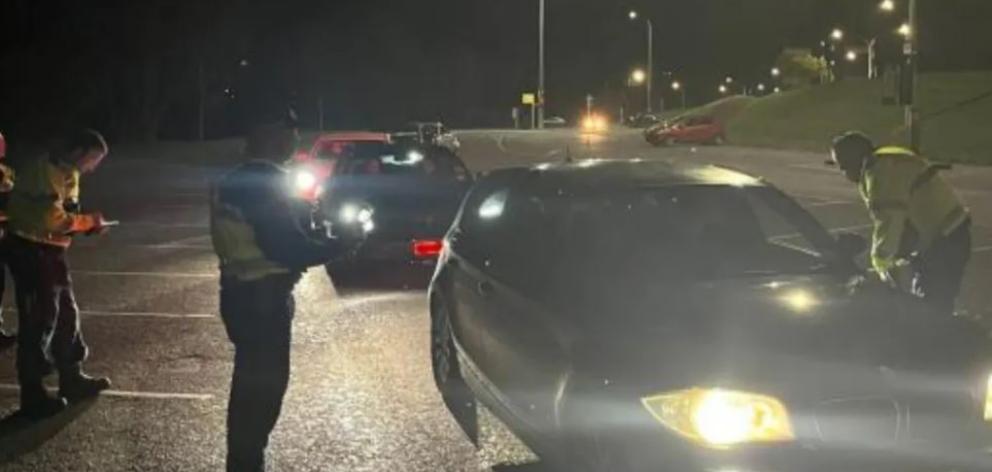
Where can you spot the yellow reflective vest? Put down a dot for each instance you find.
(235, 243)
(910, 203)
(37, 207)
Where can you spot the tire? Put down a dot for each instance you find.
(457, 396)
(669, 141)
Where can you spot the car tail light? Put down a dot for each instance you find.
(426, 248)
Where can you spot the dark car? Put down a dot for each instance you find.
(635, 316)
(687, 130)
(643, 120)
(402, 197)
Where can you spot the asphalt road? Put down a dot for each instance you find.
(361, 397)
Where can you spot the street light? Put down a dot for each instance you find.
(887, 6)
(723, 89)
(541, 18)
(761, 88)
(638, 76)
(649, 76)
(778, 89)
(837, 34)
(729, 80)
(776, 72)
(852, 56)
(905, 30)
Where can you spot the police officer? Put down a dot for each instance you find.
(7, 340)
(922, 231)
(44, 214)
(264, 240)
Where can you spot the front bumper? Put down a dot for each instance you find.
(858, 443)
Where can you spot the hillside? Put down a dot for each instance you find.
(956, 109)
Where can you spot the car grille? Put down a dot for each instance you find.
(866, 421)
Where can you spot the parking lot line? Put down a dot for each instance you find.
(189, 275)
(133, 314)
(130, 394)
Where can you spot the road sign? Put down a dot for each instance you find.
(529, 99)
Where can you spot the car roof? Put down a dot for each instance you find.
(595, 174)
(372, 136)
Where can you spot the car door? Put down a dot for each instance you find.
(471, 248)
(524, 342)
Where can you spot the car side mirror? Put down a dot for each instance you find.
(851, 245)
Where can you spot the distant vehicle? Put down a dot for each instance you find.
(595, 123)
(436, 134)
(311, 169)
(687, 130)
(643, 315)
(643, 120)
(402, 198)
(555, 122)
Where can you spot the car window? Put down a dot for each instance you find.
(481, 222)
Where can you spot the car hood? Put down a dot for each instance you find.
(758, 329)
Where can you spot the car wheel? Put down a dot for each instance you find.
(669, 141)
(447, 374)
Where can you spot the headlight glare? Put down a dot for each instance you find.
(722, 418)
(988, 400)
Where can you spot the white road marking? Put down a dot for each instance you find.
(152, 224)
(139, 314)
(134, 314)
(349, 303)
(131, 394)
(188, 275)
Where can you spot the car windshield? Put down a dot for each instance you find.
(697, 231)
(404, 161)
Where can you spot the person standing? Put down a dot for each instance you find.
(922, 231)
(7, 340)
(43, 216)
(265, 240)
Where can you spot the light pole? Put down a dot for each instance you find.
(540, 65)
(911, 48)
(650, 73)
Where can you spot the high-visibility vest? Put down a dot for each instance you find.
(910, 203)
(37, 207)
(235, 243)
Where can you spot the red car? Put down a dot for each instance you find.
(690, 130)
(313, 168)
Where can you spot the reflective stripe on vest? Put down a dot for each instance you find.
(235, 244)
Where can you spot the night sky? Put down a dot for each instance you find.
(135, 68)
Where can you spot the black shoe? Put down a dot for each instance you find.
(39, 407)
(79, 387)
(7, 340)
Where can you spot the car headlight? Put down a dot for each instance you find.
(355, 214)
(304, 180)
(722, 418)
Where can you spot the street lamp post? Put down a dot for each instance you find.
(911, 50)
(540, 75)
(650, 72)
